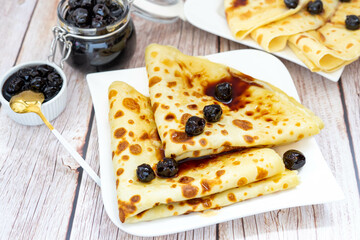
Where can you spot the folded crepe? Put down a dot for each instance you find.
(332, 46)
(273, 37)
(286, 180)
(215, 182)
(259, 114)
(244, 16)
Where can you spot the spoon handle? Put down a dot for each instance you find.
(70, 149)
(77, 157)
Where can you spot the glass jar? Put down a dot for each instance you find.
(91, 49)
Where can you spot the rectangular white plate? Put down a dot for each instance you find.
(209, 15)
(317, 182)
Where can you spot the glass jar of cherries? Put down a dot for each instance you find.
(94, 34)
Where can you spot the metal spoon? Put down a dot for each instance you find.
(29, 101)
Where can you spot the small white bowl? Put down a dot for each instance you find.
(50, 109)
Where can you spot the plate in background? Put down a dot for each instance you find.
(212, 19)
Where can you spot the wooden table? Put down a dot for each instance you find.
(45, 195)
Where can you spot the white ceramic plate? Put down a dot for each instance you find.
(317, 182)
(211, 18)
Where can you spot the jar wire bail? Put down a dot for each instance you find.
(60, 36)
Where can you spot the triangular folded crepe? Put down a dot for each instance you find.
(243, 16)
(273, 37)
(259, 114)
(134, 141)
(332, 46)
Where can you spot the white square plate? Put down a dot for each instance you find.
(317, 182)
(211, 18)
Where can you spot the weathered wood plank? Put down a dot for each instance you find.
(328, 221)
(38, 191)
(14, 18)
(351, 93)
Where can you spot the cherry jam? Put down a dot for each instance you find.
(39, 78)
(101, 32)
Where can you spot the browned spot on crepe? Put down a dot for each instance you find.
(125, 209)
(119, 114)
(121, 147)
(192, 107)
(135, 149)
(237, 3)
(119, 133)
(181, 137)
(169, 117)
(242, 181)
(184, 118)
(189, 191)
(135, 198)
(248, 139)
(231, 197)
(302, 36)
(140, 215)
(163, 106)
(144, 136)
(262, 173)
(186, 180)
(155, 136)
(301, 136)
(349, 45)
(155, 106)
(119, 171)
(112, 104)
(168, 62)
(224, 132)
(243, 124)
(171, 84)
(205, 185)
(131, 104)
(203, 142)
(246, 15)
(154, 80)
(196, 153)
(121, 215)
(219, 173)
(196, 94)
(112, 93)
(153, 54)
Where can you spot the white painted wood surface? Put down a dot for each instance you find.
(44, 196)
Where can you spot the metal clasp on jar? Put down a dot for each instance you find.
(60, 36)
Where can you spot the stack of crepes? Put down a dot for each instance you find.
(145, 130)
(321, 41)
